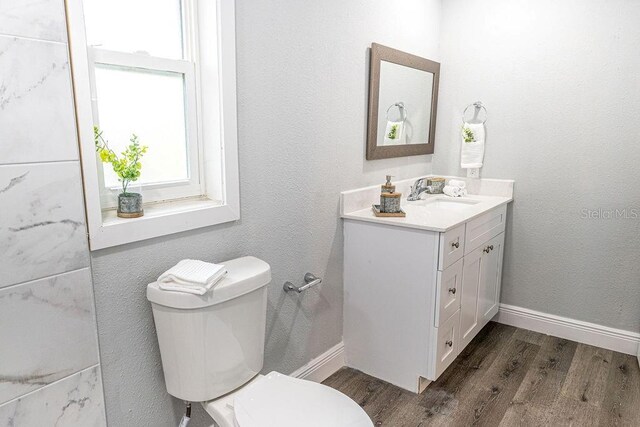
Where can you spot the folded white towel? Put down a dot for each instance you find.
(191, 276)
(454, 191)
(472, 153)
(457, 183)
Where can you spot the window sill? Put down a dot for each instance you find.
(160, 219)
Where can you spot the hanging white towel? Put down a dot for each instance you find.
(472, 153)
(393, 133)
(191, 276)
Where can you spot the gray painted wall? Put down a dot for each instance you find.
(560, 81)
(302, 97)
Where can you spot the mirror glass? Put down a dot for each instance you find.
(403, 102)
(404, 106)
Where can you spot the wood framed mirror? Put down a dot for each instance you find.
(403, 103)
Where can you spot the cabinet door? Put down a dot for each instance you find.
(491, 275)
(471, 276)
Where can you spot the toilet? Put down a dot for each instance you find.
(212, 349)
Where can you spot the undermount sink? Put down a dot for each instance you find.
(446, 203)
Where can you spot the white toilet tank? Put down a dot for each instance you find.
(213, 344)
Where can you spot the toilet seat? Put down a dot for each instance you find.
(277, 400)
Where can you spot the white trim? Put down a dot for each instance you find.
(323, 366)
(159, 220)
(226, 17)
(145, 62)
(576, 330)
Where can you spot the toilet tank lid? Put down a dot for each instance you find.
(244, 275)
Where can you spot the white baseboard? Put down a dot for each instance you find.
(323, 366)
(575, 330)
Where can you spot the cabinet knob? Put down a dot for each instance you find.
(452, 290)
(490, 247)
(486, 250)
(455, 245)
(449, 343)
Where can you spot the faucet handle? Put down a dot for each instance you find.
(416, 188)
(418, 184)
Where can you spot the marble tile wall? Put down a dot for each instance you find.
(49, 361)
(58, 313)
(36, 112)
(42, 225)
(74, 401)
(36, 19)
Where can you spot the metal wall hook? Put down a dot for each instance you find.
(401, 108)
(310, 281)
(478, 106)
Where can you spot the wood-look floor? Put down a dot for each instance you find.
(510, 377)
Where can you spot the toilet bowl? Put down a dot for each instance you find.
(212, 351)
(277, 400)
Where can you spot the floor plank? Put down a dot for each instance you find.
(542, 384)
(588, 375)
(622, 398)
(510, 377)
(493, 394)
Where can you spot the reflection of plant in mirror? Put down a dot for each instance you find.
(467, 134)
(393, 132)
(128, 165)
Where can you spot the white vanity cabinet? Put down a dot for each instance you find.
(415, 298)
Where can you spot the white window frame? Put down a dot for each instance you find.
(211, 195)
(154, 192)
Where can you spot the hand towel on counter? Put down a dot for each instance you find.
(454, 191)
(191, 276)
(472, 153)
(457, 183)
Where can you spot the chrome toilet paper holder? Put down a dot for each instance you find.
(310, 281)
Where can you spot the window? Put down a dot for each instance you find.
(143, 70)
(137, 68)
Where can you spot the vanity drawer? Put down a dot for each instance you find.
(451, 246)
(448, 291)
(484, 228)
(447, 344)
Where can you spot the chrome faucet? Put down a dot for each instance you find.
(417, 189)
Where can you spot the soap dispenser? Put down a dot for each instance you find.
(389, 199)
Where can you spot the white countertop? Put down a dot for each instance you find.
(428, 214)
(432, 218)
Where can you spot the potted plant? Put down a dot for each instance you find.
(127, 167)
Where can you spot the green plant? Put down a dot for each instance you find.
(467, 134)
(127, 166)
(393, 132)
